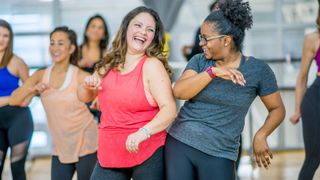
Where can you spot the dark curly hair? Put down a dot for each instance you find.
(72, 36)
(232, 18)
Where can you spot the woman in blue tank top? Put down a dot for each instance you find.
(16, 124)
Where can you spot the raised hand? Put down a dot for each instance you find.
(230, 74)
(92, 82)
(40, 87)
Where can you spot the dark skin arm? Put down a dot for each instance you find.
(276, 109)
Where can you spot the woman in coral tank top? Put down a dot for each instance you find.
(73, 128)
(134, 91)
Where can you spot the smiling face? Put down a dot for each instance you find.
(96, 30)
(4, 38)
(213, 48)
(141, 32)
(60, 47)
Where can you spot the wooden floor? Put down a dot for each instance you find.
(285, 166)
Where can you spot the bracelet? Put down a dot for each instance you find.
(211, 74)
(145, 132)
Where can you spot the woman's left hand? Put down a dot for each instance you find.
(230, 74)
(261, 150)
(133, 141)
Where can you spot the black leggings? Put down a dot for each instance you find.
(84, 168)
(16, 127)
(151, 169)
(310, 113)
(184, 162)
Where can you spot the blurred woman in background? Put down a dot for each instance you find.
(72, 126)
(95, 43)
(92, 50)
(16, 125)
(307, 105)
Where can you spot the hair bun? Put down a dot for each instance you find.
(237, 12)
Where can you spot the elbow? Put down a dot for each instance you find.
(172, 113)
(14, 102)
(83, 99)
(179, 94)
(280, 112)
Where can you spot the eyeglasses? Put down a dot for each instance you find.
(206, 39)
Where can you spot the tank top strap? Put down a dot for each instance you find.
(71, 78)
(74, 78)
(46, 75)
(140, 65)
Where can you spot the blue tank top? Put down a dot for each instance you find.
(8, 82)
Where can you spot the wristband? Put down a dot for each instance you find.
(210, 72)
(145, 131)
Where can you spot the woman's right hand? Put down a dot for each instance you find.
(92, 82)
(295, 118)
(230, 74)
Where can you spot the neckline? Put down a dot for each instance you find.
(142, 59)
(243, 59)
(67, 80)
(5, 68)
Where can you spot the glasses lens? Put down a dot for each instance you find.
(202, 39)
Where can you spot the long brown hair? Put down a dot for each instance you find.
(115, 57)
(73, 39)
(9, 50)
(104, 41)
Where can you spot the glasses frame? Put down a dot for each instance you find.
(206, 39)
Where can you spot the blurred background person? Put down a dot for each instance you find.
(16, 125)
(189, 51)
(93, 48)
(95, 43)
(72, 126)
(307, 104)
